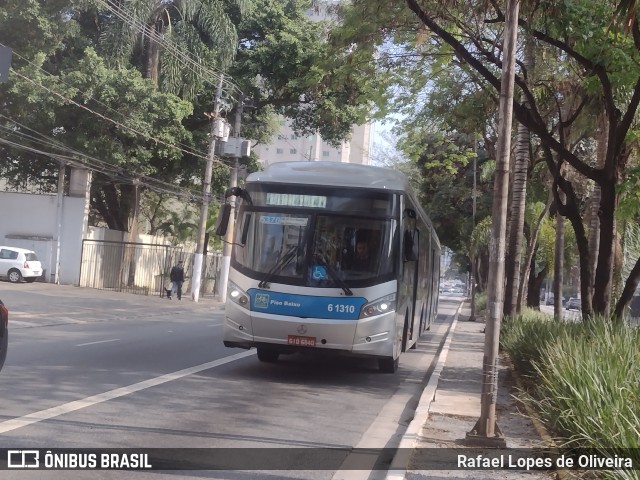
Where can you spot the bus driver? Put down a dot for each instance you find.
(361, 260)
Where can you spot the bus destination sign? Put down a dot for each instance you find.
(296, 200)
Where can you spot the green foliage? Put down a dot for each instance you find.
(285, 63)
(630, 195)
(82, 51)
(138, 110)
(584, 378)
(33, 26)
(437, 152)
(481, 303)
(204, 28)
(181, 226)
(525, 336)
(446, 184)
(546, 242)
(480, 236)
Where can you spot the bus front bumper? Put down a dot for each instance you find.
(373, 336)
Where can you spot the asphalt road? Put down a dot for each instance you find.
(94, 369)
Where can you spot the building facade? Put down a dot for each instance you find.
(287, 146)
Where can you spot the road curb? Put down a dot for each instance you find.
(400, 462)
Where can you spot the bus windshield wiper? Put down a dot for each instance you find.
(334, 276)
(279, 266)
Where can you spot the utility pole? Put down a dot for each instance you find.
(61, 176)
(206, 193)
(486, 431)
(233, 181)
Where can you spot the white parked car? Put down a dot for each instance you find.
(19, 263)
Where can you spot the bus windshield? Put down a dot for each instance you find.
(316, 249)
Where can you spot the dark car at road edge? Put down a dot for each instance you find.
(574, 304)
(4, 333)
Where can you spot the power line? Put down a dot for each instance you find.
(115, 122)
(188, 148)
(185, 58)
(112, 171)
(118, 176)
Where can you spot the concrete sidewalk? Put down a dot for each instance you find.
(450, 407)
(39, 304)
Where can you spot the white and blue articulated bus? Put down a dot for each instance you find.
(330, 257)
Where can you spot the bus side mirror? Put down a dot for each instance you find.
(409, 253)
(223, 220)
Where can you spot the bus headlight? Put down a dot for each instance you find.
(237, 295)
(378, 307)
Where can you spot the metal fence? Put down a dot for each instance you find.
(140, 268)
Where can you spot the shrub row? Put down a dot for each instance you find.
(583, 380)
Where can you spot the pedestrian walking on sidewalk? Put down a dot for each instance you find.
(177, 278)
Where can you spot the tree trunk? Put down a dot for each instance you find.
(529, 258)
(512, 302)
(628, 291)
(153, 53)
(594, 221)
(482, 271)
(486, 426)
(535, 284)
(113, 203)
(604, 270)
(618, 264)
(558, 267)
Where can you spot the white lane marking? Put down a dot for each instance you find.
(53, 412)
(18, 323)
(95, 343)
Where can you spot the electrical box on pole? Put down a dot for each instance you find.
(235, 147)
(218, 129)
(5, 63)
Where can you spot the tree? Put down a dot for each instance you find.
(602, 58)
(517, 204)
(286, 64)
(158, 35)
(96, 61)
(118, 148)
(181, 226)
(446, 186)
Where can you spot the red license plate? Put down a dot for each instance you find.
(299, 341)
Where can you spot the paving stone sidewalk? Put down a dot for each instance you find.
(453, 410)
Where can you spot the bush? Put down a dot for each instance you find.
(481, 303)
(525, 336)
(586, 387)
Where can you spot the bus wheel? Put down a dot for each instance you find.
(405, 333)
(267, 355)
(388, 364)
(415, 344)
